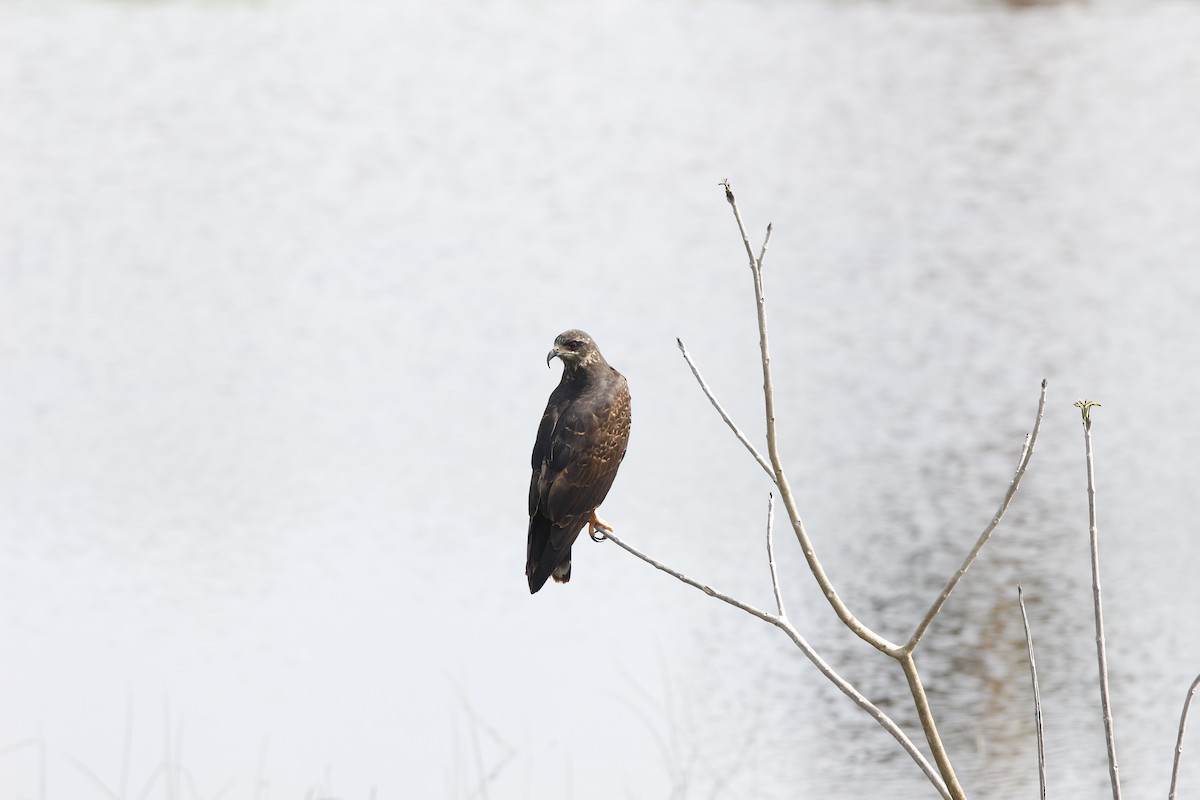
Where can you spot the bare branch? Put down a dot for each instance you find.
(929, 725)
(766, 240)
(1037, 696)
(1022, 463)
(841, 683)
(755, 264)
(708, 590)
(1187, 704)
(741, 437)
(785, 490)
(1085, 407)
(944, 779)
(904, 656)
(771, 555)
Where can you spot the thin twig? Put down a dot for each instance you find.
(771, 554)
(785, 490)
(949, 779)
(1187, 704)
(1022, 463)
(708, 590)
(741, 437)
(766, 240)
(1110, 738)
(1037, 696)
(755, 263)
(841, 683)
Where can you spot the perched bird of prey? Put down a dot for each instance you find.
(580, 444)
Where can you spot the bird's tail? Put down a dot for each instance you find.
(541, 560)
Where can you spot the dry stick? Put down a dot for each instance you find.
(786, 626)
(1037, 696)
(1187, 704)
(774, 469)
(1022, 463)
(932, 737)
(785, 490)
(890, 649)
(771, 555)
(902, 655)
(741, 437)
(1086, 407)
(929, 724)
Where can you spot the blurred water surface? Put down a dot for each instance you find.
(276, 284)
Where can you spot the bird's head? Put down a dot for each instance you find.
(575, 348)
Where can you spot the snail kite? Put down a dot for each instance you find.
(579, 446)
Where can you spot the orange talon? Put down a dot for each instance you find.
(594, 524)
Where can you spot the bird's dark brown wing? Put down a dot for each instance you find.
(539, 484)
(581, 441)
(588, 445)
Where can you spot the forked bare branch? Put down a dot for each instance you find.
(781, 622)
(943, 777)
(932, 737)
(1037, 696)
(1014, 484)
(755, 263)
(785, 491)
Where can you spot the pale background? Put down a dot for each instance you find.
(277, 280)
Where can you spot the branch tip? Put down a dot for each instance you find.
(1101, 656)
(1037, 695)
(1085, 406)
(1014, 484)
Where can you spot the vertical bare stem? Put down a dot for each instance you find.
(771, 554)
(940, 757)
(785, 490)
(818, 570)
(1086, 407)
(1187, 704)
(1037, 696)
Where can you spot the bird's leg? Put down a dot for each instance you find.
(595, 524)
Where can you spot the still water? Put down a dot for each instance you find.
(276, 284)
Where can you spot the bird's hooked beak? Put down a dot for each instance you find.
(553, 354)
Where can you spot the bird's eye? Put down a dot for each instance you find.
(574, 344)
